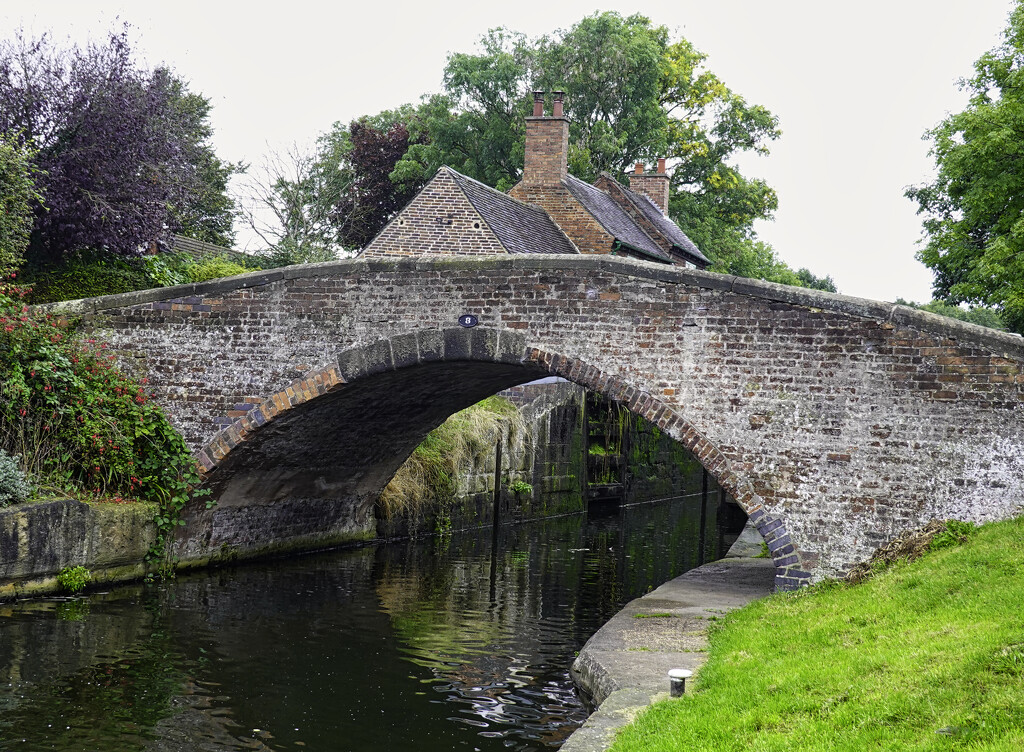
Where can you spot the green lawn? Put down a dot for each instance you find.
(924, 656)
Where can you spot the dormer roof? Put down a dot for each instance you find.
(660, 228)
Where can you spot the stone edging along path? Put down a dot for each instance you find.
(624, 666)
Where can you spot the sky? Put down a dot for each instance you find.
(854, 85)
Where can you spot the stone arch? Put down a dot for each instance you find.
(503, 359)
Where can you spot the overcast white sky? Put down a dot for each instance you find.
(855, 86)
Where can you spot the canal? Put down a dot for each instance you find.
(448, 643)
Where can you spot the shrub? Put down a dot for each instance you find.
(14, 488)
(74, 579)
(79, 424)
(17, 196)
(88, 274)
(213, 268)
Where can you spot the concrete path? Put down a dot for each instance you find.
(624, 666)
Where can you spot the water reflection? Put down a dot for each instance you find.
(436, 645)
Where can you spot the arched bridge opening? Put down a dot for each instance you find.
(309, 461)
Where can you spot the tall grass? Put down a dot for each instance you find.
(922, 656)
(430, 477)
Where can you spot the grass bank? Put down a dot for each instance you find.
(927, 655)
(430, 477)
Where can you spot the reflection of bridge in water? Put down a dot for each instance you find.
(834, 422)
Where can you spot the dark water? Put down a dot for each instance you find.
(444, 644)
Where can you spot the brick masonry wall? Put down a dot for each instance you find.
(441, 220)
(577, 223)
(834, 422)
(547, 150)
(654, 185)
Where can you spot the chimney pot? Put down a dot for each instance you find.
(639, 169)
(538, 103)
(558, 97)
(661, 166)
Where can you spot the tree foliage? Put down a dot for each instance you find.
(372, 198)
(290, 198)
(206, 211)
(974, 209)
(79, 425)
(122, 152)
(757, 260)
(974, 315)
(18, 195)
(632, 94)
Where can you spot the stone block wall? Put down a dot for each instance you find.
(659, 467)
(547, 457)
(37, 540)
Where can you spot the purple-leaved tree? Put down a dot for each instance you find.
(114, 147)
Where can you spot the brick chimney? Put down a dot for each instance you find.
(547, 143)
(654, 185)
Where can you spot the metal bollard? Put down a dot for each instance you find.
(677, 681)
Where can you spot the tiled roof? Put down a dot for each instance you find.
(521, 228)
(669, 229)
(614, 218)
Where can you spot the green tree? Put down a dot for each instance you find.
(122, 151)
(981, 316)
(614, 71)
(974, 209)
(632, 95)
(748, 257)
(290, 198)
(18, 196)
(205, 211)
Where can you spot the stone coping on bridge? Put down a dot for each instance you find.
(1000, 342)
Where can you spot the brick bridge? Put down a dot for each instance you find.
(835, 422)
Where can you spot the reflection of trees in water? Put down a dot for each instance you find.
(497, 629)
(104, 677)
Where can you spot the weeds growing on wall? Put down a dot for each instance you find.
(79, 425)
(429, 478)
(74, 579)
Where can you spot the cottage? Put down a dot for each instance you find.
(548, 211)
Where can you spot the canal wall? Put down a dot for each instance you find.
(540, 474)
(37, 540)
